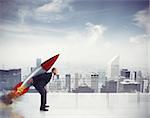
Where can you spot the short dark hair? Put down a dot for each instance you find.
(53, 69)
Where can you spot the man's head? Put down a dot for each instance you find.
(54, 71)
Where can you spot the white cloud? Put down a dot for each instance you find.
(53, 11)
(56, 6)
(95, 32)
(142, 19)
(141, 39)
(91, 34)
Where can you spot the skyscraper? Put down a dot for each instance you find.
(129, 86)
(109, 87)
(52, 86)
(58, 83)
(140, 79)
(125, 73)
(94, 82)
(38, 62)
(68, 82)
(9, 78)
(145, 86)
(77, 78)
(134, 75)
(113, 70)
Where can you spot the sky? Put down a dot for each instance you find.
(86, 33)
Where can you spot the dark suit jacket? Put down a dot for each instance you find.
(42, 79)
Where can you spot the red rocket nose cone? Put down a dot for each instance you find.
(49, 63)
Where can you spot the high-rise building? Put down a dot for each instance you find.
(68, 82)
(32, 69)
(52, 85)
(77, 79)
(94, 82)
(145, 86)
(102, 77)
(139, 74)
(113, 70)
(109, 87)
(38, 62)
(58, 83)
(134, 75)
(140, 79)
(125, 73)
(129, 86)
(9, 78)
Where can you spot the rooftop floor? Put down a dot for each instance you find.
(70, 105)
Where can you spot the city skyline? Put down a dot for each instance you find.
(86, 34)
(127, 81)
(114, 80)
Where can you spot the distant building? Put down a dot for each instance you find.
(145, 86)
(129, 86)
(125, 73)
(38, 62)
(140, 79)
(32, 69)
(9, 78)
(77, 78)
(58, 83)
(54, 84)
(139, 74)
(83, 89)
(109, 87)
(94, 82)
(134, 75)
(102, 77)
(68, 82)
(113, 70)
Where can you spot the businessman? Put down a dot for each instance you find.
(39, 82)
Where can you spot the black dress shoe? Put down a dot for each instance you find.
(46, 105)
(43, 109)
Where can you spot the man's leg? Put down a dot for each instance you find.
(45, 101)
(42, 92)
(43, 98)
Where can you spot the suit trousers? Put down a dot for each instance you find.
(43, 94)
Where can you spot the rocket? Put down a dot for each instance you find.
(25, 85)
